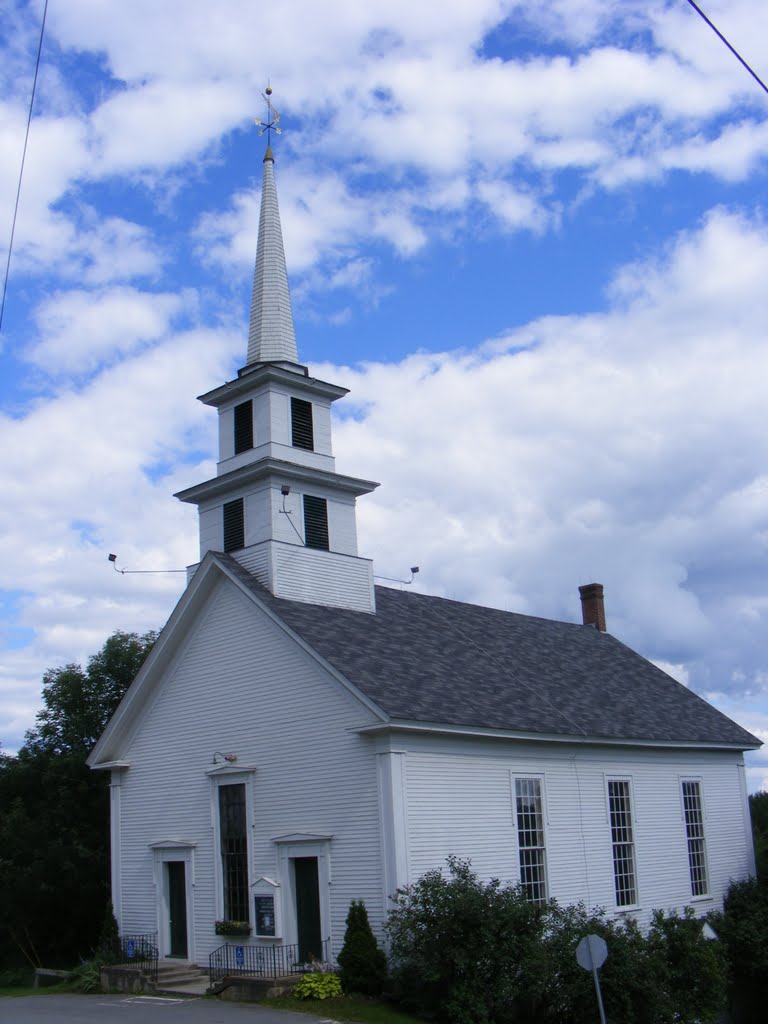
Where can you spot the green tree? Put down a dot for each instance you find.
(54, 829)
(758, 808)
(742, 926)
(363, 963)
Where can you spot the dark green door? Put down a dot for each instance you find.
(307, 908)
(177, 907)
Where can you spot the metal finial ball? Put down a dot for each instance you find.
(269, 90)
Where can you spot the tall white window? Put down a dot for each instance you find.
(530, 839)
(694, 830)
(623, 841)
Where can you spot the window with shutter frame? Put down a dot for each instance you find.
(302, 432)
(316, 522)
(623, 842)
(234, 525)
(243, 427)
(694, 829)
(530, 839)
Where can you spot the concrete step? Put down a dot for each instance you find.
(181, 979)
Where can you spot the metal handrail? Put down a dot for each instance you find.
(264, 961)
(134, 951)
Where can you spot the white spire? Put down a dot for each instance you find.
(271, 338)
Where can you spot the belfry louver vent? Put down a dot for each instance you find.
(302, 433)
(243, 427)
(316, 522)
(234, 525)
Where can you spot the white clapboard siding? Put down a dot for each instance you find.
(459, 801)
(239, 685)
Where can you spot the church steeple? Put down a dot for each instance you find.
(277, 504)
(271, 338)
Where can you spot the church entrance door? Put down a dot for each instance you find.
(177, 908)
(307, 889)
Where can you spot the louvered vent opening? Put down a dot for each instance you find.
(316, 522)
(243, 427)
(234, 525)
(302, 434)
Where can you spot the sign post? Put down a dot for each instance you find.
(590, 954)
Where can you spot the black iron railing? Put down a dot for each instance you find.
(133, 951)
(259, 961)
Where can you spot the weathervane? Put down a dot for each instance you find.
(271, 124)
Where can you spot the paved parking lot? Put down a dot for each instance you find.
(100, 1009)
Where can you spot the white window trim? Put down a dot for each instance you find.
(541, 778)
(705, 896)
(231, 776)
(607, 779)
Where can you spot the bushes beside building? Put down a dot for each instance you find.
(469, 952)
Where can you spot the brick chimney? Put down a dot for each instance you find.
(592, 607)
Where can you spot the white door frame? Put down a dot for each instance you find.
(165, 851)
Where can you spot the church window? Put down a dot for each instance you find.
(243, 427)
(694, 830)
(234, 525)
(316, 522)
(302, 432)
(623, 842)
(233, 835)
(530, 839)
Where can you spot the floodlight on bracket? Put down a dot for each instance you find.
(393, 579)
(113, 559)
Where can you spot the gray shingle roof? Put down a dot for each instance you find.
(428, 659)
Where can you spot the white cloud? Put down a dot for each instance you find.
(82, 329)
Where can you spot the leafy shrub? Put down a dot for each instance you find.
(317, 985)
(468, 952)
(86, 977)
(463, 950)
(743, 928)
(363, 963)
(689, 970)
(16, 977)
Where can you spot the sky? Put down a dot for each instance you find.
(530, 238)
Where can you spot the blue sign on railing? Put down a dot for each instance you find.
(130, 949)
(239, 956)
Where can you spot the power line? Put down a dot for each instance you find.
(21, 169)
(735, 53)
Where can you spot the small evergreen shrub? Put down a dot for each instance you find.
(318, 985)
(362, 961)
(109, 940)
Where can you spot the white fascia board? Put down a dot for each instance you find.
(269, 373)
(270, 468)
(164, 649)
(395, 727)
(325, 665)
(110, 765)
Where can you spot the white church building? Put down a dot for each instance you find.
(299, 737)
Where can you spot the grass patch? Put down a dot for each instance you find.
(364, 1011)
(29, 990)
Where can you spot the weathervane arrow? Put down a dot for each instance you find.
(273, 118)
